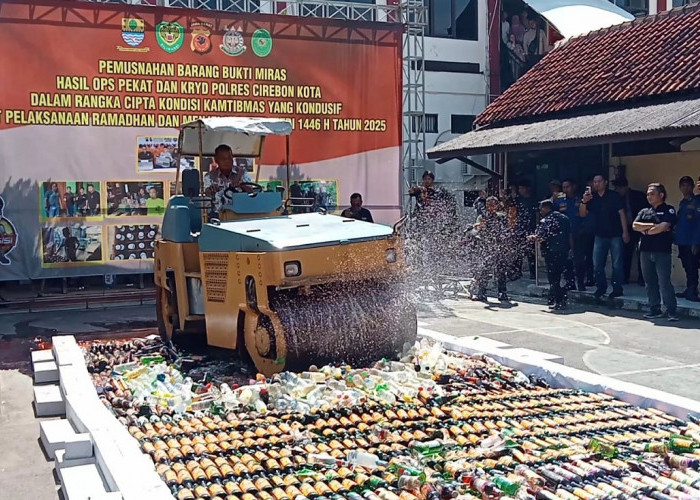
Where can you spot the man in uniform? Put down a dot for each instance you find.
(356, 211)
(491, 229)
(525, 222)
(554, 234)
(656, 225)
(576, 266)
(687, 237)
(225, 176)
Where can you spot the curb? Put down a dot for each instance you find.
(124, 471)
(623, 303)
(558, 375)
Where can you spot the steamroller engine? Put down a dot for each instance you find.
(291, 289)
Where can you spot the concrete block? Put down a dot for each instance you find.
(48, 401)
(81, 482)
(529, 353)
(45, 371)
(110, 495)
(75, 380)
(43, 355)
(78, 446)
(53, 435)
(66, 351)
(61, 462)
(481, 342)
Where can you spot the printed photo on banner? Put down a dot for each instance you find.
(130, 198)
(8, 236)
(159, 154)
(71, 244)
(69, 199)
(136, 242)
(308, 195)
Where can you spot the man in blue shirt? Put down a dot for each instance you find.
(687, 237)
(611, 232)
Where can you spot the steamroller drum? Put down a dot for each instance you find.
(355, 323)
(166, 313)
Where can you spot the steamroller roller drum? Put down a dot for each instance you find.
(166, 313)
(355, 323)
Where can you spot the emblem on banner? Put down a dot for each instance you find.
(234, 44)
(261, 42)
(170, 36)
(201, 41)
(8, 236)
(133, 33)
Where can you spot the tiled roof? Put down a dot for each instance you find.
(640, 122)
(645, 58)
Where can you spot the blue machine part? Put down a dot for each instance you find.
(254, 203)
(181, 220)
(274, 234)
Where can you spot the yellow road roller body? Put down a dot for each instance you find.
(292, 290)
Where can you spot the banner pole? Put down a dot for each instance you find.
(179, 155)
(288, 168)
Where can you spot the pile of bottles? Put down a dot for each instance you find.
(435, 426)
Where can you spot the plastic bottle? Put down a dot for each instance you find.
(357, 458)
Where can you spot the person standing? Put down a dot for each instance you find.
(154, 204)
(632, 201)
(81, 202)
(610, 234)
(525, 223)
(656, 225)
(554, 234)
(491, 230)
(69, 199)
(53, 201)
(576, 266)
(356, 211)
(93, 200)
(687, 237)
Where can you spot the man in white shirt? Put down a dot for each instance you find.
(225, 176)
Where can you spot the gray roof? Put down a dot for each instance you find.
(636, 123)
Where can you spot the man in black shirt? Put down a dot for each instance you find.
(656, 227)
(610, 226)
(356, 211)
(93, 200)
(632, 201)
(554, 234)
(525, 223)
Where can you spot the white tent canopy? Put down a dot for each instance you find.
(578, 17)
(244, 135)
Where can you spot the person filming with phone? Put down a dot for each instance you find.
(611, 231)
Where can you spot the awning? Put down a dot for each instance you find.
(577, 17)
(244, 135)
(657, 121)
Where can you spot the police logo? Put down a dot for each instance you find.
(201, 41)
(234, 44)
(8, 236)
(170, 36)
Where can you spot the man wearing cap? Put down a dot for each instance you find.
(632, 201)
(554, 234)
(687, 237)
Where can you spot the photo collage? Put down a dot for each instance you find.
(84, 220)
(104, 221)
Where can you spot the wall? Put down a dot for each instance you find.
(666, 169)
(449, 93)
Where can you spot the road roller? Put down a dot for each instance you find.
(291, 290)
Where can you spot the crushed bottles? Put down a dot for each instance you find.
(434, 426)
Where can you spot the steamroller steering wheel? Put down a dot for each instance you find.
(257, 188)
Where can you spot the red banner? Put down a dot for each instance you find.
(93, 94)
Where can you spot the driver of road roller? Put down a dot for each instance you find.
(225, 175)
